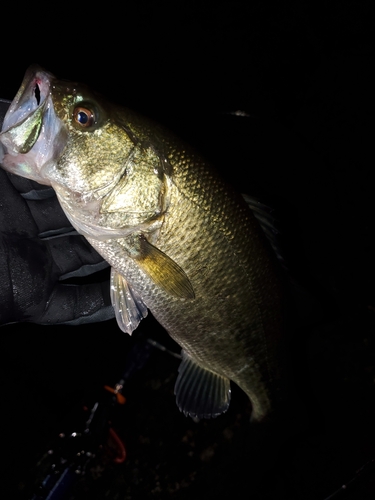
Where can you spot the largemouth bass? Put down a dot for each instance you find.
(181, 243)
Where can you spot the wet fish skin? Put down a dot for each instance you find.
(180, 241)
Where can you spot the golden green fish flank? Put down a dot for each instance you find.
(216, 240)
(181, 238)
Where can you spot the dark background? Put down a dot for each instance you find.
(304, 77)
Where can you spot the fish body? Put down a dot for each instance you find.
(180, 242)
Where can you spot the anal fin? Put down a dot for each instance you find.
(200, 393)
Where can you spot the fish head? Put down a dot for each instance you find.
(109, 179)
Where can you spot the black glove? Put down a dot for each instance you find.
(39, 252)
(4, 105)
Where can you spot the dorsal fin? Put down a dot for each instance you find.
(200, 393)
(267, 222)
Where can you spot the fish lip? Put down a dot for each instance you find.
(32, 94)
(32, 136)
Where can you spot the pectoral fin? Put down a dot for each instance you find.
(164, 271)
(129, 307)
(200, 392)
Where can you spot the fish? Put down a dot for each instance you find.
(181, 242)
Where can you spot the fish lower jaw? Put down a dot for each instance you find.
(21, 165)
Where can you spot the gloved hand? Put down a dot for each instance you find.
(39, 249)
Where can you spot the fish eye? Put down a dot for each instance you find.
(84, 117)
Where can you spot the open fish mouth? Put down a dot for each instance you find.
(30, 127)
(30, 99)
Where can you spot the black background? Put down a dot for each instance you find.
(303, 74)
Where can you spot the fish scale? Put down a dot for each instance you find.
(180, 241)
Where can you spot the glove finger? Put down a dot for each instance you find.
(78, 304)
(49, 217)
(24, 185)
(14, 213)
(4, 105)
(43, 205)
(74, 256)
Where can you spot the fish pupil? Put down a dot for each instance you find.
(82, 118)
